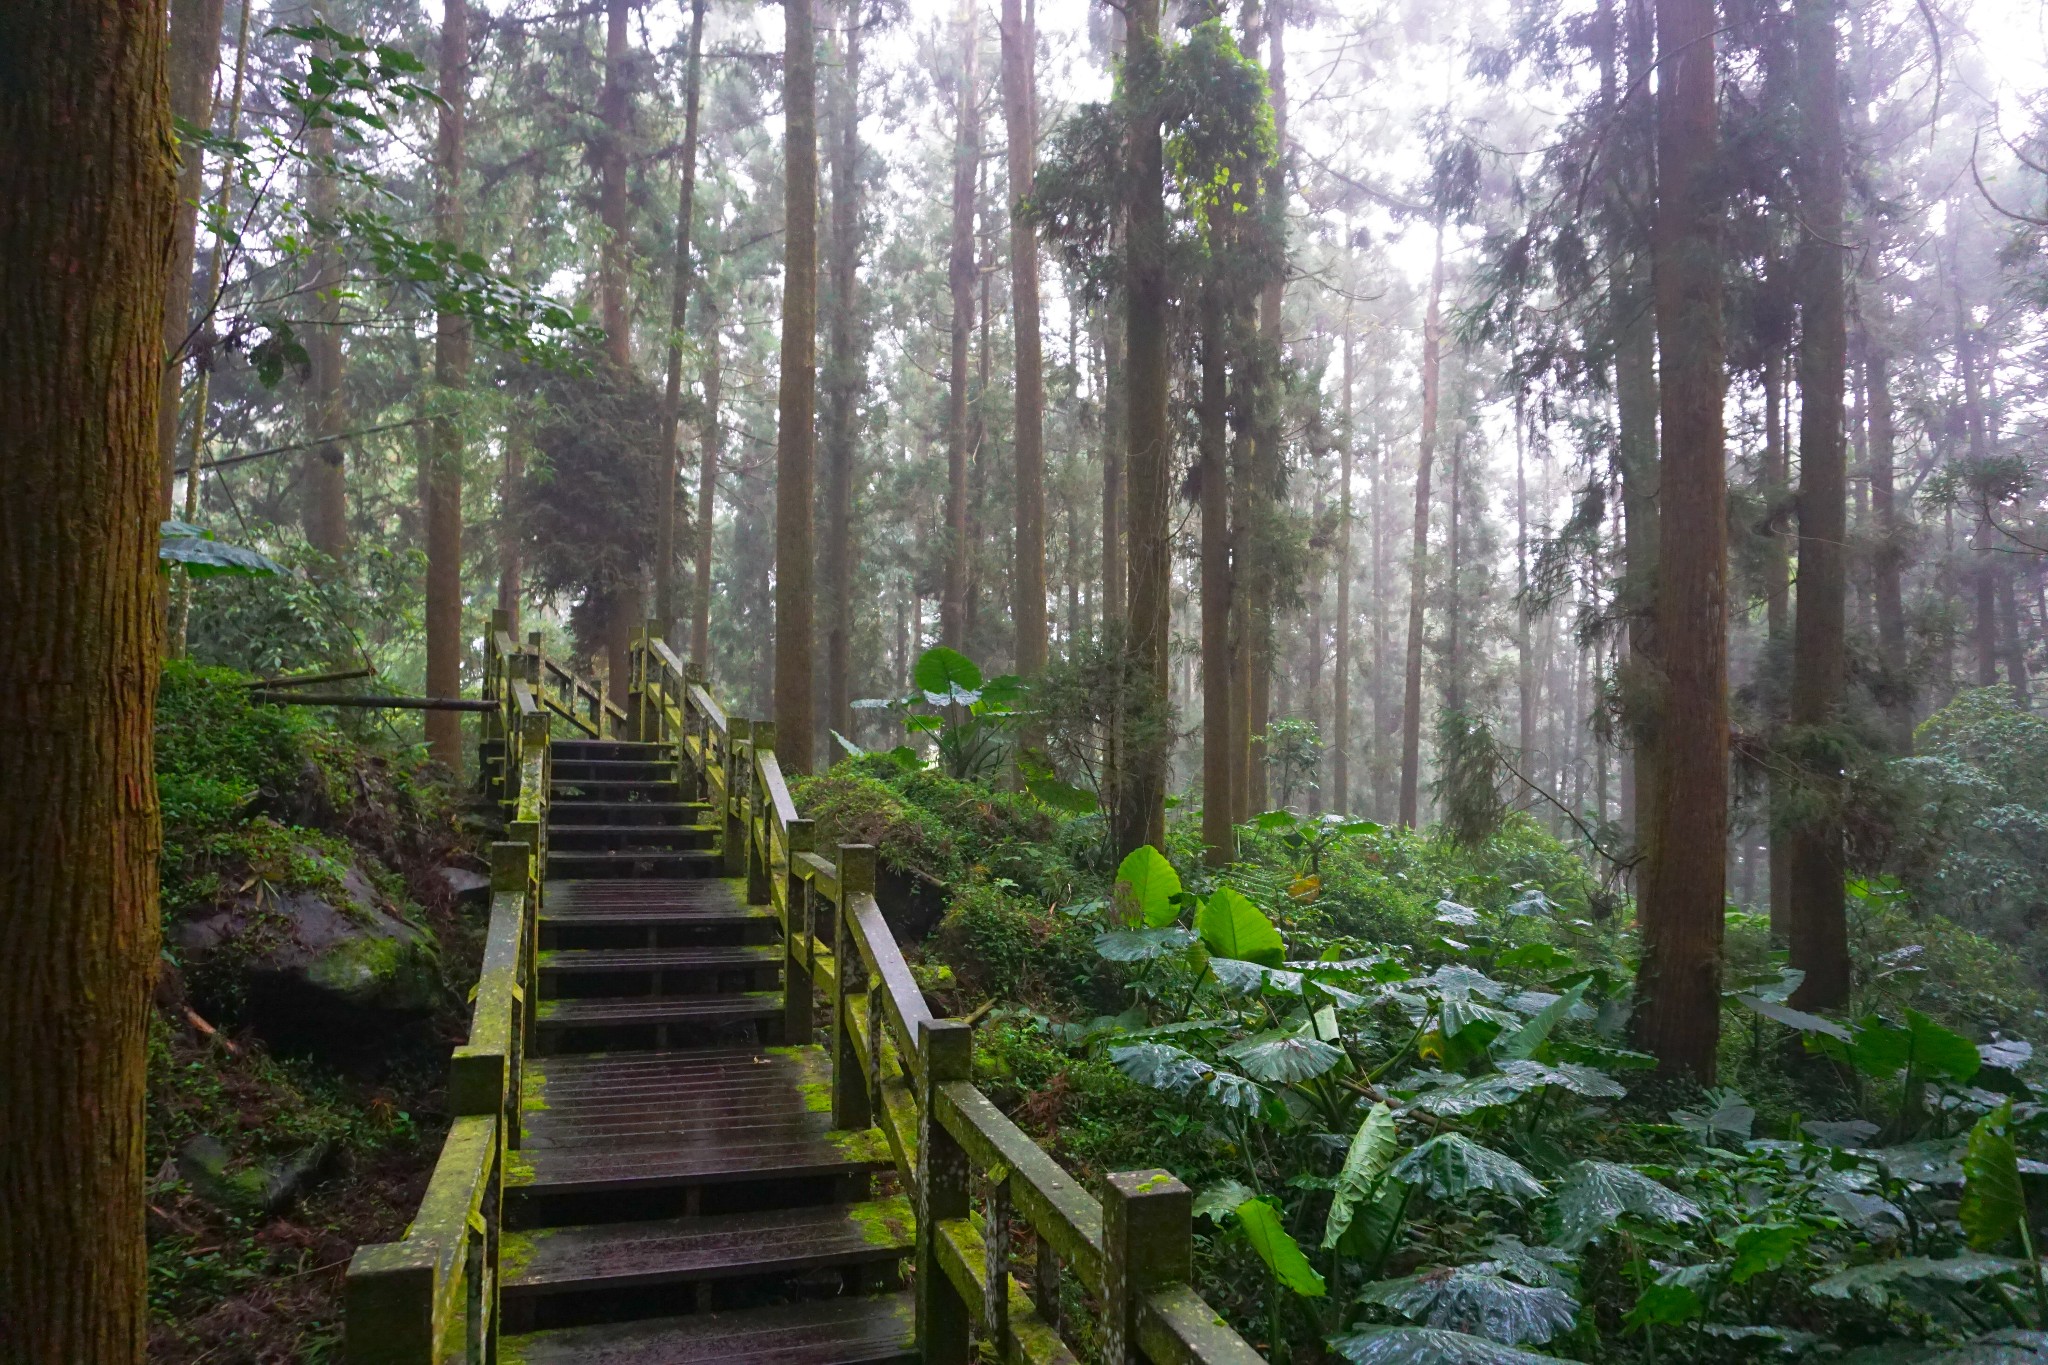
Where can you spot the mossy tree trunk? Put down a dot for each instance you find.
(451, 375)
(87, 158)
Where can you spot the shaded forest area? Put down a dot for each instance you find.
(1444, 603)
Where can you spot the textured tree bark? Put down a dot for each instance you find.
(451, 375)
(619, 606)
(85, 243)
(1218, 840)
(707, 497)
(960, 277)
(1020, 115)
(1115, 438)
(195, 56)
(1418, 556)
(510, 570)
(1678, 983)
(796, 435)
(324, 511)
(1340, 699)
(678, 319)
(1819, 928)
(1889, 562)
(1525, 653)
(1141, 796)
(1270, 477)
(1777, 628)
(844, 376)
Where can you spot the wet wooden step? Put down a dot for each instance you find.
(616, 838)
(655, 769)
(569, 791)
(683, 901)
(585, 750)
(598, 864)
(605, 1256)
(577, 814)
(714, 958)
(842, 1331)
(719, 1011)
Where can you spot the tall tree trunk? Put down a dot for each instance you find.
(324, 511)
(1141, 795)
(1340, 700)
(194, 58)
(1418, 556)
(1020, 116)
(678, 319)
(1269, 474)
(1889, 562)
(510, 542)
(85, 154)
(1819, 926)
(1983, 577)
(451, 375)
(1525, 656)
(960, 277)
(619, 606)
(1213, 476)
(1454, 659)
(1777, 629)
(844, 377)
(796, 436)
(1115, 438)
(1678, 1014)
(707, 498)
(2015, 641)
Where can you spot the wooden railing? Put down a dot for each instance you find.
(974, 1176)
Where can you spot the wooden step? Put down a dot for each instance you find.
(615, 838)
(577, 814)
(605, 1256)
(570, 791)
(632, 863)
(699, 1012)
(690, 902)
(712, 958)
(587, 750)
(873, 1330)
(616, 769)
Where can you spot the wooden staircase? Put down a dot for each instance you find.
(678, 1193)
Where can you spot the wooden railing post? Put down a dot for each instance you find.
(943, 1190)
(737, 778)
(760, 811)
(850, 1106)
(1148, 1240)
(796, 913)
(389, 1312)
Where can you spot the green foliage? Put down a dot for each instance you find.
(1278, 1249)
(1147, 889)
(205, 556)
(1231, 926)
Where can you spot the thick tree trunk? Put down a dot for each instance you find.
(796, 436)
(960, 277)
(1141, 795)
(844, 377)
(324, 485)
(615, 112)
(1819, 927)
(1115, 437)
(195, 56)
(1269, 472)
(678, 318)
(1020, 115)
(1678, 984)
(1340, 699)
(510, 568)
(85, 244)
(451, 374)
(1777, 628)
(1213, 476)
(707, 498)
(1418, 555)
(1525, 653)
(1889, 562)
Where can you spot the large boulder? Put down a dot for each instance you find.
(325, 966)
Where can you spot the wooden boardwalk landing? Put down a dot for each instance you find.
(678, 1193)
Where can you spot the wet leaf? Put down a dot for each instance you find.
(1598, 1194)
(1479, 1300)
(1450, 1165)
(1281, 1253)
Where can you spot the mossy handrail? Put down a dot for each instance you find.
(973, 1175)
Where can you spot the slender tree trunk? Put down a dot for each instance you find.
(1383, 719)
(1020, 116)
(1269, 475)
(1418, 557)
(619, 606)
(1454, 659)
(707, 498)
(1115, 438)
(194, 58)
(1525, 657)
(1889, 562)
(1777, 629)
(1340, 700)
(960, 276)
(678, 319)
(796, 437)
(324, 513)
(844, 378)
(1218, 840)
(2015, 642)
(1678, 1014)
(451, 376)
(510, 542)
(1141, 796)
(85, 245)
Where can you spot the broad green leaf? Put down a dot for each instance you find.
(1663, 1305)
(1273, 821)
(1281, 1253)
(1793, 1019)
(1062, 796)
(2007, 1054)
(205, 557)
(1222, 1199)
(1469, 1097)
(1371, 1153)
(1993, 1201)
(1872, 1283)
(1142, 945)
(1232, 926)
(1763, 1247)
(1941, 1052)
(1479, 1300)
(1524, 1041)
(1932, 1161)
(1450, 1165)
(1284, 1059)
(1429, 1346)
(946, 675)
(1580, 1080)
(1146, 885)
(1160, 1065)
(1535, 957)
(1596, 1195)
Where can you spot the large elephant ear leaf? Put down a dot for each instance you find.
(203, 556)
(946, 675)
(1281, 1253)
(1941, 1052)
(1284, 1058)
(1429, 1346)
(1596, 1195)
(1523, 1042)
(1146, 885)
(1451, 1165)
(1993, 1202)
(1480, 1300)
(1371, 1154)
(1232, 926)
